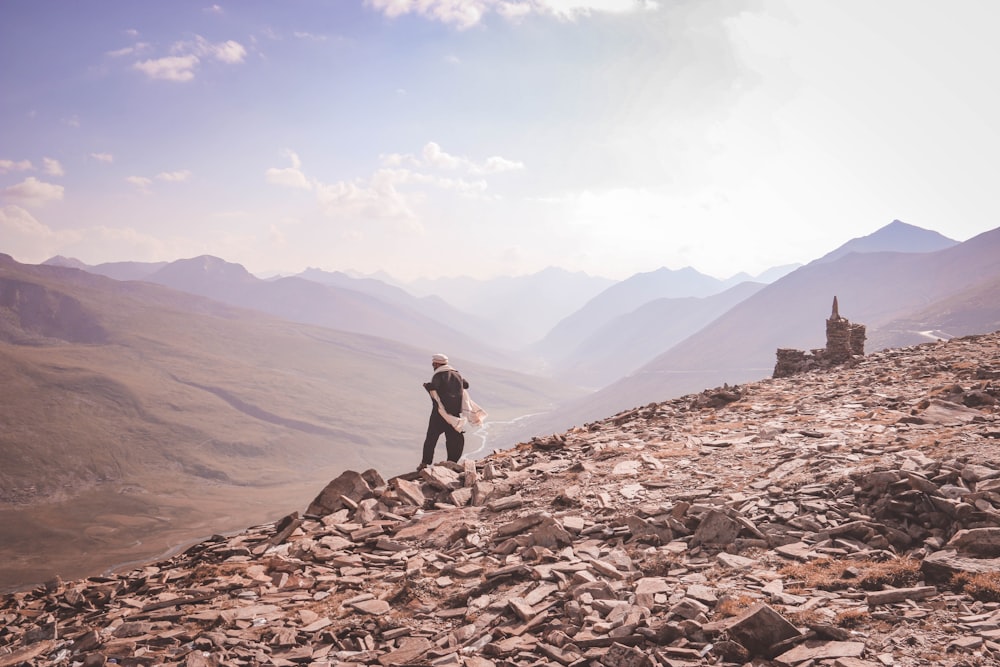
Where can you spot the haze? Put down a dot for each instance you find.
(488, 137)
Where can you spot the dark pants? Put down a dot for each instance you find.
(454, 441)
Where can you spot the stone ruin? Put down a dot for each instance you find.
(844, 342)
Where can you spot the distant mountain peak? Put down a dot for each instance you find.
(60, 260)
(897, 236)
(186, 273)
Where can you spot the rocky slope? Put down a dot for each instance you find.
(844, 518)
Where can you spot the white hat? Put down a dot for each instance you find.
(439, 359)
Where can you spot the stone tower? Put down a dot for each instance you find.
(844, 341)
(838, 337)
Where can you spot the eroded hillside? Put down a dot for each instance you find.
(844, 518)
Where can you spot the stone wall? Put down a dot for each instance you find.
(844, 342)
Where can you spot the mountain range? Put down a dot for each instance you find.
(147, 401)
(903, 298)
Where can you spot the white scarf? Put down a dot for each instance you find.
(471, 413)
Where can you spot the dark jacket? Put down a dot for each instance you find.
(448, 384)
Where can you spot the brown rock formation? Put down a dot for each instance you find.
(844, 342)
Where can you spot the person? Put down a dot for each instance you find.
(449, 386)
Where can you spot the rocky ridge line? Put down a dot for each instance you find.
(687, 532)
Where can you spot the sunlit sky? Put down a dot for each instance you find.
(434, 138)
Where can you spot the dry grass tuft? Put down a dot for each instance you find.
(898, 572)
(983, 586)
(852, 618)
(734, 606)
(831, 575)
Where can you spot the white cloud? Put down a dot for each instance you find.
(10, 165)
(569, 8)
(394, 191)
(135, 49)
(463, 13)
(28, 240)
(32, 191)
(214, 9)
(52, 167)
(31, 241)
(229, 52)
(497, 164)
(467, 13)
(103, 157)
(187, 55)
(16, 220)
(174, 176)
(432, 155)
(513, 11)
(289, 177)
(310, 36)
(377, 200)
(141, 183)
(72, 121)
(170, 68)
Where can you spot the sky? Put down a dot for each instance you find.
(434, 138)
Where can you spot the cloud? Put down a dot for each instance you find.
(497, 164)
(32, 191)
(141, 183)
(395, 191)
(135, 49)
(52, 167)
(376, 200)
(16, 220)
(170, 68)
(174, 176)
(310, 36)
(72, 121)
(214, 9)
(229, 52)
(467, 13)
(181, 66)
(432, 155)
(10, 165)
(463, 13)
(103, 157)
(29, 240)
(289, 177)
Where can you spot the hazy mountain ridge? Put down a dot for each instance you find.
(431, 306)
(582, 347)
(522, 309)
(629, 341)
(116, 270)
(310, 302)
(875, 289)
(620, 299)
(897, 236)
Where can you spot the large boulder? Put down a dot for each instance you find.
(344, 492)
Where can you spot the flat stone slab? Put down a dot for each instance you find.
(812, 650)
